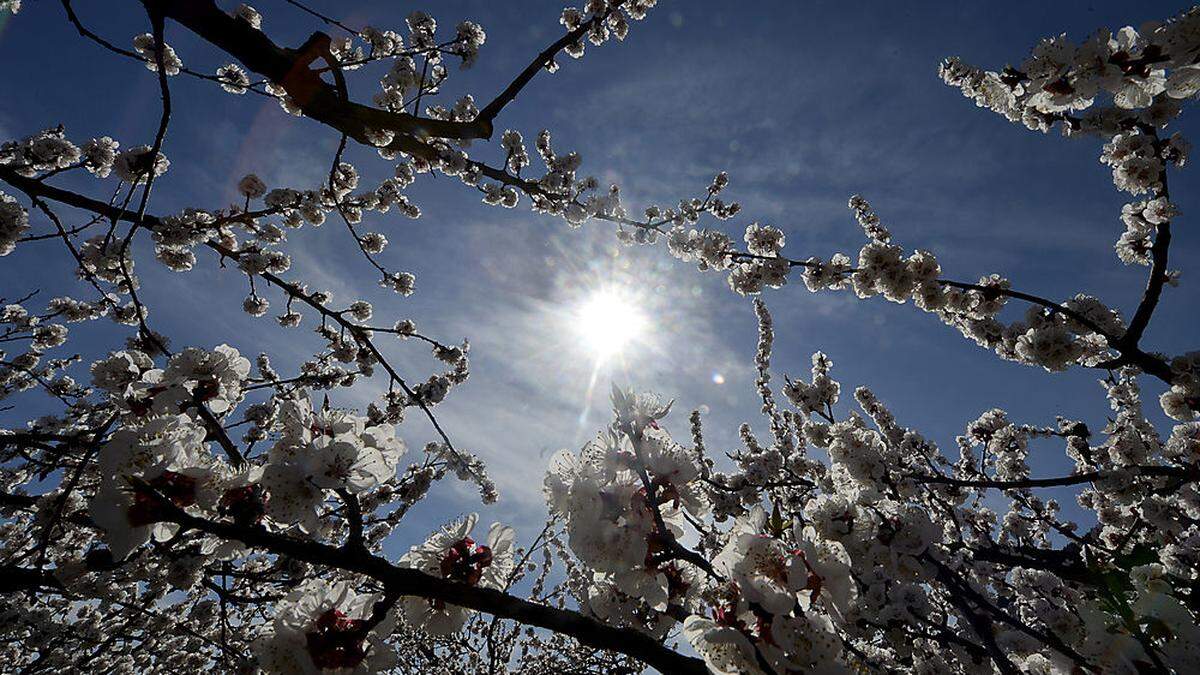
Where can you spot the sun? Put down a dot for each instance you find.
(608, 321)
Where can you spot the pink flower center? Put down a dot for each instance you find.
(177, 488)
(465, 561)
(725, 614)
(336, 641)
(813, 582)
(206, 389)
(677, 586)
(245, 505)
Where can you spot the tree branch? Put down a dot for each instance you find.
(33, 187)
(1076, 479)
(16, 579)
(405, 581)
(289, 68)
(1158, 270)
(544, 57)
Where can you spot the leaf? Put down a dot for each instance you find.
(776, 525)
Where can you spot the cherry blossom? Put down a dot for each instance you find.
(451, 553)
(324, 627)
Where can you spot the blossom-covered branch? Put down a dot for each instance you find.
(189, 509)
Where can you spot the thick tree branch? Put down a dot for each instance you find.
(289, 68)
(16, 579)
(404, 581)
(1056, 561)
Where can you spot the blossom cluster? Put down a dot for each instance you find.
(864, 553)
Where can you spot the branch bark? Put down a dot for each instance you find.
(1158, 269)
(16, 579)
(404, 581)
(1076, 479)
(289, 68)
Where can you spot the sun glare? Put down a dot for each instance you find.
(608, 322)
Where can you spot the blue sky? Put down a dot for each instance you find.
(803, 104)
